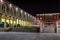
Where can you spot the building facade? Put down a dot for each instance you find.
(13, 16)
(49, 19)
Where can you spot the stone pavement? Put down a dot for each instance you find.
(28, 36)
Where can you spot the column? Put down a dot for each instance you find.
(5, 23)
(56, 28)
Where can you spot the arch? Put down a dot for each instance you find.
(7, 7)
(3, 8)
(14, 12)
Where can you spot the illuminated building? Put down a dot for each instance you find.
(13, 16)
(49, 19)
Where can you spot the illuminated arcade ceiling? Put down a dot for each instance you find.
(49, 18)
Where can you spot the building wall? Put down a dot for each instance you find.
(12, 15)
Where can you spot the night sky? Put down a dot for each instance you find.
(37, 7)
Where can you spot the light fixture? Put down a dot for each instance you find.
(3, 20)
(16, 9)
(1, 1)
(21, 11)
(10, 5)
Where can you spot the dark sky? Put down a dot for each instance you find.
(35, 7)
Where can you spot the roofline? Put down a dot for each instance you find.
(47, 14)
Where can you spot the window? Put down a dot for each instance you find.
(11, 11)
(14, 12)
(3, 8)
(19, 13)
(22, 15)
(7, 9)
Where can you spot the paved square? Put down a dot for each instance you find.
(28, 36)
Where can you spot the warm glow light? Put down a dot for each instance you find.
(17, 21)
(25, 13)
(1, 1)
(16, 9)
(11, 21)
(21, 11)
(10, 5)
(20, 22)
(7, 21)
(14, 22)
(3, 20)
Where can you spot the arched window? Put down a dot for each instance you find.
(14, 12)
(19, 14)
(7, 9)
(3, 8)
(11, 11)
